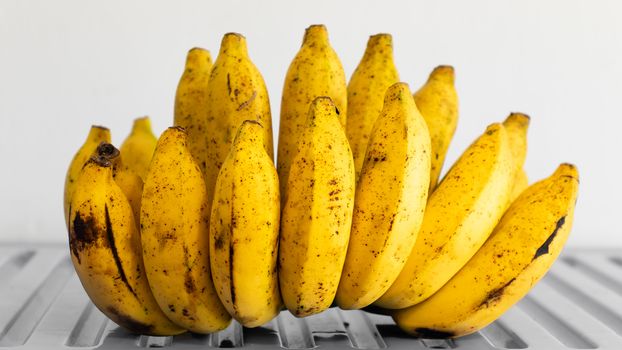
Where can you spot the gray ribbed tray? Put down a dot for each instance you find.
(578, 305)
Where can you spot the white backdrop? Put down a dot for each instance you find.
(65, 65)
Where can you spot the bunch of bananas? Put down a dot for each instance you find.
(188, 230)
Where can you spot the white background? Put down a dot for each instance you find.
(65, 65)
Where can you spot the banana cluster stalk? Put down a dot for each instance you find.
(97, 134)
(316, 219)
(315, 71)
(191, 103)
(235, 92)
(366, 90)
(390, 201)
(438, 102)
(174, 235)
(138, 147)
(517, 255)
(460, 215)
(105, 250)
(244, 230)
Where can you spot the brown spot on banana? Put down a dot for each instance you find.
(494, 295)
(544, 248)
(115, 253)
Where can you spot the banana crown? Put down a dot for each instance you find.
(98, 134)
(398, 93)
(516, 125)
(321, 109)
(233, 44)
(379, 45)
(444, 74)
(250, 132)
(173, 134)
(142, 125)
(315, 35)
(198, 59)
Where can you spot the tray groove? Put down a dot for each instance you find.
(578, 305)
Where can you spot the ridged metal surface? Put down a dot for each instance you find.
(578, 305)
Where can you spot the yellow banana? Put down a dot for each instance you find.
(316, 220)
(460, 214)
(390, 201)
(138, 147)
(438, 102)
(97, 134)
(521, 182)
(130, 183)
(516, 125)
(105, 251)
(236, 92)
(244, 230)
(366, 90)
(519, 252)
(315, 71)
(191, 103)
(175, 234)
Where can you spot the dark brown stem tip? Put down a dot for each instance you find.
(100, 161)
(99, 127)
(233, 34)
(178, 128)
(107, 151)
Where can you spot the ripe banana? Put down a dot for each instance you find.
(516, 124)
(315, 71)
(97, 134)
(390, 201)
(138, 147)
(191, 103)
(366, 90)
(105, 251)
(316, 219)
(235, 92)
(438, 102)
(244, 230)
(130, 183)
(175, 234)
(460, 215)
(517, 255)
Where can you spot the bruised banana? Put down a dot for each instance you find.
(315, 71)
(366, 90)
(138, 147)
(517, 255)
(235, 92)
(516, 124)
(175, 234)
(130, 183)
(97, 135)
(191, 103)
(105, 250)
(316, 219)
(244, 230)
(460, 215)
(438, 102)
(390, 201)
